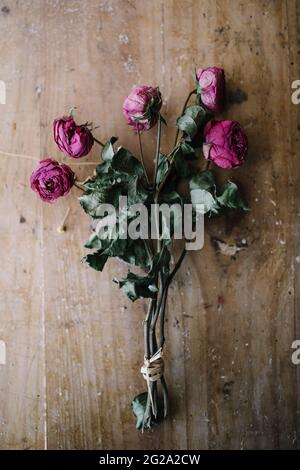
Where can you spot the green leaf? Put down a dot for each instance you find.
(181, 165)
(116, 247)
(162, 169)
(201, 196)
(136, 254)
(199, 90)
(96, 260)
(102, 168)
(197, 140)
(130, 251)
(94, 242)
(172, 198)
(231, 197)
(187, 124)
(135, 286)
(109, 241)
(136, 191)
(202, 190)
(188, 151)
(203, 180)
(92, 201)
(108, 150)
(105, 188)
(161, 261)
(138, 406)
(124, 162)
(123, 177)
(191, 120)
(196, 112)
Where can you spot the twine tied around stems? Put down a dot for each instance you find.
(152, 370)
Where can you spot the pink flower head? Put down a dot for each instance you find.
(141, 107)
(212, 87)
(225, 143)
(75, 141)
(51, 180)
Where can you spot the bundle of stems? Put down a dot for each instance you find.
(154, 337)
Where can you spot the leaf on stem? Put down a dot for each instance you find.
(191, 120)
(120, 176)
(172, 220)
(124, 162)
(111, 244)
(188, 151)
(136, 286)
(138, 406)
(162, 169)
(230, 196)
(203, 190)
(96, 260)
(108, 150)
(181, 165)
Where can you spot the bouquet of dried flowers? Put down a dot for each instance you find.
(127, 206)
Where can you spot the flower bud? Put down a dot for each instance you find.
(75, 141)
(51, 180)
(225, 143)
(141, 107)
(212, 88)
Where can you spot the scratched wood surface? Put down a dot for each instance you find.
(74, 343)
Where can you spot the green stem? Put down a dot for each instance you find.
(142, 154)
(157, 307)
(155, 179)
(168, 172)
(159, 304)
(149, 250)
(173, 151)
(165, 395)
(160, 311)
(152, 331)
(183, 109)
(148, 349)
(79, 187)
(157, 148)
(153, 341)
(157, 223)
(153, 349)
(171, 154)
(99, 142)
(207, 166)
(146, 328)
(164, 303)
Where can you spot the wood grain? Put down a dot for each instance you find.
(74, 343)
(22, 394)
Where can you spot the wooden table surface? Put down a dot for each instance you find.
(73, 341)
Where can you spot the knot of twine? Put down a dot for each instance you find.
(152, 370)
